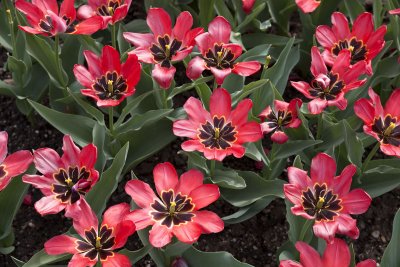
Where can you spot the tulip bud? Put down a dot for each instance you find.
(179, 262)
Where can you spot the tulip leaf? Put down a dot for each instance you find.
(137, 255)
(291, 147)
(195, 160)
(140, 120)
(227, 178)
(391, 256)
(379, 180)
(41, 258)
(102, 191)
(197, 258)
(249, 211)
(255, 12)
(206, 13)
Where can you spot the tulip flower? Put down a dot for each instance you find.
(248, 5)
(308, 6)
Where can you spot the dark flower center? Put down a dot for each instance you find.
(110, 86)
(387, 130)
(327, 89)
(3, 172)
(109, 8)
(97, 245)
(279, 120)
(172, 209)
(46, 24)
(217, 134)
(357, 48)
(219, 57)
(71, 25)
(165, 49)
(71, 184)
(321, 203)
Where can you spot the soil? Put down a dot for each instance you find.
(254, 241)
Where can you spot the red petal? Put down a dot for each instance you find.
(83, 76)
(31, 30)
(67, 9)
(159, 22)
(246, 68)
(195, 68)
(187, 233)
(356, 202)
(347, 226)
(140, 218)
(32, 12)
(340, 25)
(189, 181)
(279, 137)
(160, 236)
(110, 59)
(309, 257)
(220, 74)
(303, 88)
(363, 26)
(185, 128)
(189, 39)
(368, 263)
(204, 195)
(217, 154)
(93, 62)
(236, 49)
(49, 205)
(237, 150)
(85, 12)
(317, 106)
(241, 112)
(78, 260)
(323, 169)
(326, 230)
(114, 215)
(45, 5)
(204, 42)
(342, 183)
(336, 254)
(317, 63)
(298, 177)
(41, 182)
(117, 260)
(89, 26)
(88, 156)
(208, 221)
(47, 161)
(325, 36)
(390, 150)
(376, 101)
(82, 223)
(120, 13)
(220, 103)
(308, 6)
(195, 111)
(220, 30)
(250, 132)
(71, 152)
(392, 105)
(59, 25)
(3, 145)
(365, 110)
(165, 177)
(192, 145)
(293, 193)
(342, 62)
(143, 40)
(61, 244)
(181, 54)
(131, 70)
(122, 231)
(248, 5)
(289, 263)
(183, 25)
(163, 76)
(140, 192)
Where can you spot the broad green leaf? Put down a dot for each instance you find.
(296, 226)
(137, 255)
(7, 89)
(223, 10)
(196, 258)
(102, 191)
(99, 140)
(281, 12)
(257, 53)
(227, 178)
(291, 147)
(195, 160)
(248, 89)
(354, 8)
(141, 120)
(206, 14)
(176, 249)
(391, 256)
(87, 107)
(249, 211)
(379, 180)
(354, 147)
(254, 39)
(178, 90)
(42, 259)
(257, 10)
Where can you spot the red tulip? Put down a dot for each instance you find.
(47, 19)
(218, 55)
(248, 5)
(11, 165)
(166, 44)
(95, 243)
(336, 254)
(329, 87)
(111, 11)
(363, 41)
(282, 115)
(106, 80)
(176, 212)
(308, 6)
(65, 179)
(394, 12)
(381, 123)
(325, 198)
(220, 132)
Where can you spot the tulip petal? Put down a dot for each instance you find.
(189, 181)
(183, 24)
(204, 195)
(160, 236)
(163, 76)
(336, 254)
(323, 169)
(165, 177)
(220, 30)
(140, 218)
(140, 192)
(49, 205)
(159, 22)
(195, 68)
(117, 260)
(61, 244)
(187, 233)
(208, 221)
(246, 68)
(309, 257)
(356, 202)
(220, 103)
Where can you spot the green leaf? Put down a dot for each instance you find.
(380, 180)
(178, 90)
(296, 225)
(255, 12)
(354, 146)
(102, 191)
(354, 8)
(141, 120)
(87, 107)
(256, 188)
(79, 127)
(137, 255)
(292, 147)
(254, 39)
(7, 89)
(227, 178)
(196, 258)
(257, 53)
(99, 137)
(249, 211)
(42, 258)
(223, 10)
(391, 256)
(195, 160)
(248, 89)
(206, 13)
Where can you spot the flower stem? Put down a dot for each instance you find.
(111, 119)
(114, 36)
(164, 98)
(319, 126)
(212, 168)
(12, 33)
(304, 230)
(215, 86)
(58, 63)
(370, 156)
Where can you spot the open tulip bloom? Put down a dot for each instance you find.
(308, 6)
(111, 11)
(65, 179)
(106, 80)
(218, 55)
(95, 242)
(326, 198)
(220, 132)
(176, 209)
(328, 88)
(166, 44)
(11, 165)
(363, 41)
(47, 19)
(282, 115)
(381, 123)
(336, 254)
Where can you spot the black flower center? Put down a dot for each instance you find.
(219, 57)
(387, 130)
(164, 50)
(357, 48)
(97, 245)
(327, 91)
(71, 184)
(3, 172)
(46, 24)
(71, 25)
(110, 86)
(279, 120)
(217, 134)
(172, 209)
(320, 202)
(109, 8)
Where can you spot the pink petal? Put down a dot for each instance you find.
(89, 26)
(204, 42)
(390, 150)
(220, 103)
(47, 161)
(356, 202)
(293, 193)
(342, 61)
(41, 182)
(347, 226)
(181, 54)
(240, 114)
(192, 145)
(309, 257)
(365, 110)
(289, 263)
(342, 183)
(110, 59)
(120, 13)
(117, 260)
(195, 68)
(78, 260)
(159, 22)
(140, 192)
(376, 101)
(220, 30)
(317, 106)
(303, 88)
(298, 177)
(114, 215)
(165, 177)
(163, 76)
(185, 128)
(189, 181)
(236, 49)
(323, 169)
(246, 68)
(144, 40)
(160, 236)
(317, 63)
(308, 6)
(392, 105)
(122, 232)
(144, 55)
(220, 75)
(183, 25)
(248, 5)
(33, 13)
(88, 156)
(340, 25)
(83, 76)
(208, 221)
(250, 132)
(82, 223)
(71, 152)
(140, 218)
(94, 63)
(85, 12)
(49, 205)
(68, 10)
(61, 244)
(279, 137)
(187, 233)
(195, 111)
(325, 36)
(336, 254)
(59, 25)
(131, 69)
(326, 230)
(17, 163)
(368, 263)
(363, 26)
(204, 195)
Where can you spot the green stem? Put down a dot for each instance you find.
(370, 156)
(111, 119)
(12, 33)
(212, 168)
(58, 64)
(319, 126)
(305, 228)
(114, 36)
(164, 98)
(215, 86)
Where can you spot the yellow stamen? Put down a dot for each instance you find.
(98, 243)
(110, 10)
(219, 54)
(10, 20)
(167, 50)
(69, 182)
(217, 133)
(320, 203)
(280, 120)
(110, 86)
(351, 48)
(389, 129)
(172, 208)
